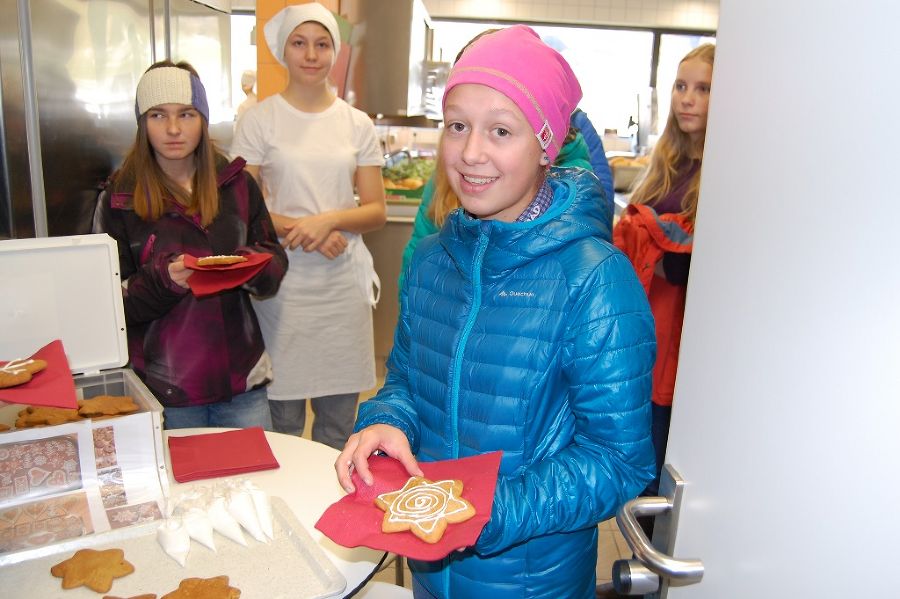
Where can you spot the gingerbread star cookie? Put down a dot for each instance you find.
(424, 508)
(204, 588)
(93, 569)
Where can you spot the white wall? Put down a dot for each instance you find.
(677, 14)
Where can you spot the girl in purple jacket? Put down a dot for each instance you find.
(203, 358)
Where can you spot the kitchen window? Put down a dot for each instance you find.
(616, 68)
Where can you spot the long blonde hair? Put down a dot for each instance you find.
(672, 150)
(153, 189)
(444, 199)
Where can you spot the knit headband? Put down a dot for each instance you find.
(170, 85)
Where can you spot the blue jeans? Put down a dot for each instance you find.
(659, 431)
(243, 411)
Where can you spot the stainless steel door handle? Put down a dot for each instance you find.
(677, 572)
(684, 571)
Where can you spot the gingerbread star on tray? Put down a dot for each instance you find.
(204, 588)
(93, 569)
(425, 508)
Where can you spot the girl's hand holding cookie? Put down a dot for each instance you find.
(179, 273)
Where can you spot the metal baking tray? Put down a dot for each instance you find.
(290, 566)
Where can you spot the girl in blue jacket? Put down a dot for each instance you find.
(522, 331)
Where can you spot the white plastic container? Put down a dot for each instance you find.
(68, 288)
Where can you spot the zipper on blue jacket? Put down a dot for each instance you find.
(464, 338)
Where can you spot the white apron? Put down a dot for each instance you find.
(318, 327)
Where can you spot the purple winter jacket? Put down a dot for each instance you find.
(192, 351)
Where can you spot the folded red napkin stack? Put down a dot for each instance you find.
(212, 455)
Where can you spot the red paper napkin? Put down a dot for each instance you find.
(195, 457)
(53, 386)
(207, 280)
(355, 519)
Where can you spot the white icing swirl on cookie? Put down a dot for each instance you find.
(16, 366)
(424, 504)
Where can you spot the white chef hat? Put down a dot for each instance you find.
(286, 20)
(248, 78)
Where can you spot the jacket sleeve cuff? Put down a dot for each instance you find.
(390, 420)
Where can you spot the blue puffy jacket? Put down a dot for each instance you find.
(535, 339)
(599, 162)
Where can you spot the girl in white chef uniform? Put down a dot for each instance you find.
(308, 148)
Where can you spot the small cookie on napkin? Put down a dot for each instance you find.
(220, 260)
(19, 372)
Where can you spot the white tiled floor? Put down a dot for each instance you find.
(611, 546)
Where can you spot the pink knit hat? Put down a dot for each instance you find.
(515, 62)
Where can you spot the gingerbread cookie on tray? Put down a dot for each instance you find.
(204, 588)
(107, 405)
(45, 416)
(93, 569)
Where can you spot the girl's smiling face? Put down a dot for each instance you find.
(490, 153)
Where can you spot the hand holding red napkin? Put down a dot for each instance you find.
(53, 386)
(355, 519)
(220, 454)
(207, 280)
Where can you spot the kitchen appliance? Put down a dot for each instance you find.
(68, 71)
(391, 48)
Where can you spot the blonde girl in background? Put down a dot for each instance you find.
(669, 190)
(311, 151)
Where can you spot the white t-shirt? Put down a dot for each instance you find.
(248, 103)
(318, 328)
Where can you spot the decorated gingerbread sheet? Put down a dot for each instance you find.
(66, 481)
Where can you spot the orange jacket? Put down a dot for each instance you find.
(645, 236)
